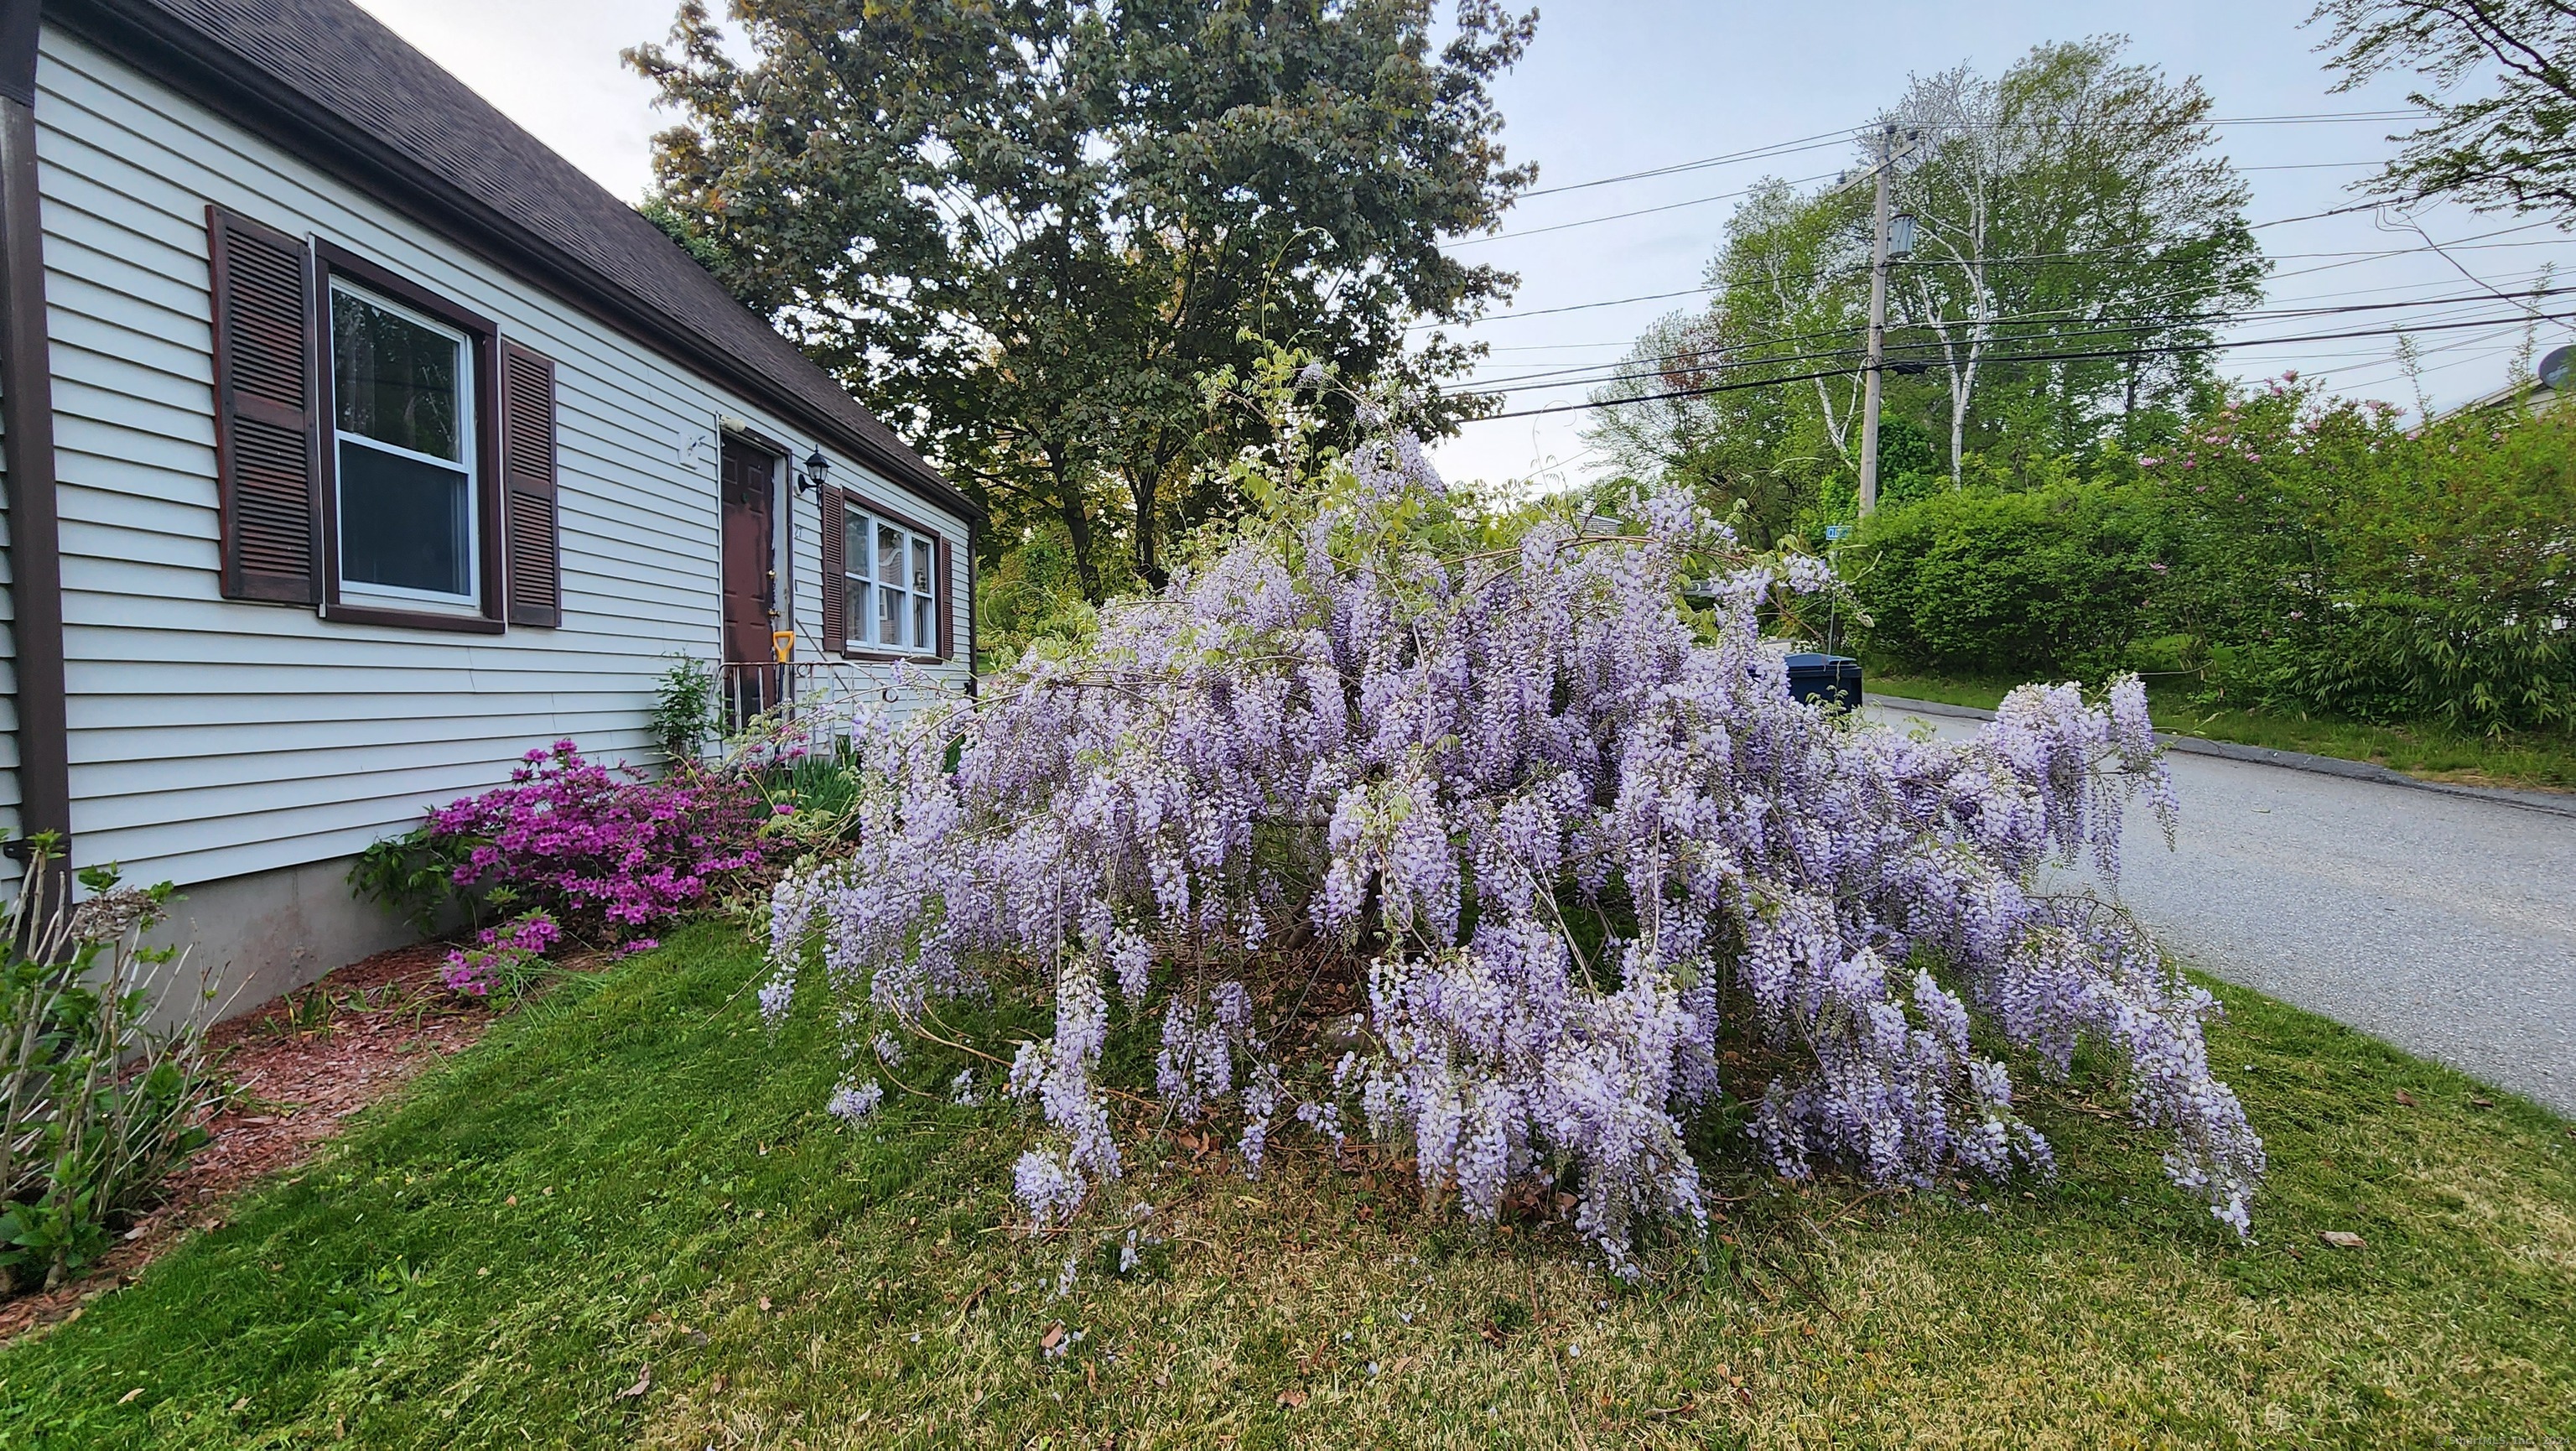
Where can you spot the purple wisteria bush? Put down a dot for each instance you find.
(1569, 836)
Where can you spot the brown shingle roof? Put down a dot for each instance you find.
(333, 84)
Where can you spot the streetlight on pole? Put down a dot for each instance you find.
(1874, 363)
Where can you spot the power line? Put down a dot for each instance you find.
(1585, 306)
(2160, 350)
(2191, 291)
(1801, 181)
(1849, 134)
(1623, 216)
(2298, 118)
(1573, 374)
(1816, 142)
(1576, 375)
(1943, 351)
(2474, 241)
(1930, 352)
(1561, 347)
(2381, 355)
(2418, 229)
(1582, 375)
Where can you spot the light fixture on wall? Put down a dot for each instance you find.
(688, 442)
(818, 473)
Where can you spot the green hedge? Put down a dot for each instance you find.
(2327, 559)
(2295, 552)
(1987, 583)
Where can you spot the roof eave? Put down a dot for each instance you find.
(159, 44)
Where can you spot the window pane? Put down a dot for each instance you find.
(854, 552)
(855, 604)
(889, 556)
(921, 565)
(394, 380)
(403, 522)
(921, 637)
(889, 615)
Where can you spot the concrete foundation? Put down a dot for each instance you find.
(257, 937)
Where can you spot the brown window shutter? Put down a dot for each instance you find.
(267, 478)
(836, 585)
(947, 603)
(528, 487)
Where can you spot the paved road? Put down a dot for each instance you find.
(2443, 924)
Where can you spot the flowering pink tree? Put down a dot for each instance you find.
(1571, 837)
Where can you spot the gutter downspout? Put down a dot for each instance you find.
(27, 420)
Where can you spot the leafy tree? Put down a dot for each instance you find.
(1023, 229)
(1793, 283)
(1790, 284)
(1906, 462)
(2503, 149)
(2074, 205)
(1033, 592)
(2071, 205)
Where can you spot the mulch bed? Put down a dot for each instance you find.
(301, 1067)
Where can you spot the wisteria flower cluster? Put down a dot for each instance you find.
(503, 961)
(602, 850)
(1571, 836)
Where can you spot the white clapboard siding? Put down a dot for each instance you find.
(211, 738)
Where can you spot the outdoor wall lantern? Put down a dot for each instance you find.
(818, 470)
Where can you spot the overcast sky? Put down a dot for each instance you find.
(1614, 86)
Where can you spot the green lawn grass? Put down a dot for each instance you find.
(2528, 759)
(630, 1173)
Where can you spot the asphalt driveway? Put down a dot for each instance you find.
(2443, 923)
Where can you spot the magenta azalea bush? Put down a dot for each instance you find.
(604, 851)
(1571, 838)
(503, 960)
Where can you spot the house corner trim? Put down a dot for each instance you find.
(27, 419)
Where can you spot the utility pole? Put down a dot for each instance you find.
(1875, 361)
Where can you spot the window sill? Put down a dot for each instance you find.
(875, 657)
(342, 612)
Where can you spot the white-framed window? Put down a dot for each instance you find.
(891, 573)
(403, 434)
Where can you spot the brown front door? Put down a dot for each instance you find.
(750, 578)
